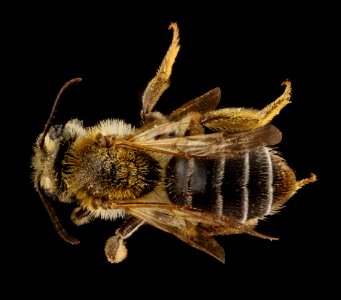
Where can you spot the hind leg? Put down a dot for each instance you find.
(245, 119)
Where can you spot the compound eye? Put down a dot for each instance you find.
(55, 131)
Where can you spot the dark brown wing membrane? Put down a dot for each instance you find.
(182, 227)
(204, 103)
(214, 145)
(156, 129)
(194, 227)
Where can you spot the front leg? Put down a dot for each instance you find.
(115, 249)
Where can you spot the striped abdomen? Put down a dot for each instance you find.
(247, 187)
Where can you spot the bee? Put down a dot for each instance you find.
(196, 173)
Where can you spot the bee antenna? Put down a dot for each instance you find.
(55, 221)
(54, 107)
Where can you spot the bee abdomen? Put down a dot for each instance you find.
(243, 188)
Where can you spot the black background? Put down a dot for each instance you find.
(247, 51)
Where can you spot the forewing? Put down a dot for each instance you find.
(214, 145)
(183, 225)
(155, 130)
(193, 226)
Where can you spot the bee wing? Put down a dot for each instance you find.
(155, 130)
(180, 118)
(182, 225)
(214, 145)
(193, 226)
(204, 103)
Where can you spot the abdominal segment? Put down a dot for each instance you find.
(242, 188)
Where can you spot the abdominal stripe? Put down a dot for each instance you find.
(241, 187)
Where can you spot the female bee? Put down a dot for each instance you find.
(195, 173)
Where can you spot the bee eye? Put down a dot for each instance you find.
(55, 131)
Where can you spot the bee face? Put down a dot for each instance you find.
(49, 152)
(195, 173)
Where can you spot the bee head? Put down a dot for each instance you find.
(49, 149)
(48, 145)
(46, 149)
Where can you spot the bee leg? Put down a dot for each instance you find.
(274, 108)
(160, 82)
(80, 216)
(115, 248)
(244, 119)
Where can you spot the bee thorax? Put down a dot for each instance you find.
(111, 173)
